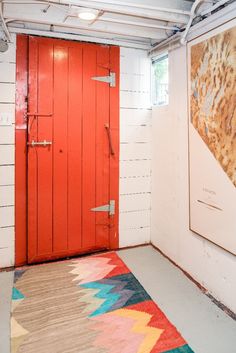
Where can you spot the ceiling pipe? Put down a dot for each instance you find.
(175, 38)
(183, 40)
(4, 25)
(214, 7)
(164, 44)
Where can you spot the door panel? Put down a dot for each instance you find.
(43, 127)
(70, 176)
(88, 149)
(102, 147)
(60, 130)
(32, 153)
(75, 83)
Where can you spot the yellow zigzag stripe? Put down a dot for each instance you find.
(16, 329)
(18, 334)
(151, 334)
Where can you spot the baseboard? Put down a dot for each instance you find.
(133, 246)
(7, 269)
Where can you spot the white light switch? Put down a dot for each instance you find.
(5, 119)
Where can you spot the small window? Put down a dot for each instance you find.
(160, 84)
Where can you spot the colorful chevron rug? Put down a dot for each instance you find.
(92, 304)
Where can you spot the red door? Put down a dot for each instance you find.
(72, 148)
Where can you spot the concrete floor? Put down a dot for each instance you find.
(206, 328)
(6, 281)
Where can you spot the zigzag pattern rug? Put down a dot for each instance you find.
(92, 304)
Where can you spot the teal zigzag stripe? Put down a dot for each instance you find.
(183, 349)
(16, 294)
(104, 293)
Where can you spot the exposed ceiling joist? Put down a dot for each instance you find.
(56, 18)
(34, 13)
(85, 38)
(137, 20)
(130, 11)
(140, 5)
(143, 22)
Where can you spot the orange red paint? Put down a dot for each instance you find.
(76, 173)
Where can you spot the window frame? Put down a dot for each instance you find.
(154, 60)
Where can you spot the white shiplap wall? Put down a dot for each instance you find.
(135, 122)
(135, 151)
(7, 154)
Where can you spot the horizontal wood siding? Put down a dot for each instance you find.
(135, 151)
(7, 155)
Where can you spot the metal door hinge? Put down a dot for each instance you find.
(106, 208)
(111, 79)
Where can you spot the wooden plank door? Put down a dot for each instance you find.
(70, 131)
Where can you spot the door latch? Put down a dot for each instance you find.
(111, 79)
(39, 143)
(106, 208)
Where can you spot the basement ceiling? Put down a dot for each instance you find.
(140, 23)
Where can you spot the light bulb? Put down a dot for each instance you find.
(88, 16)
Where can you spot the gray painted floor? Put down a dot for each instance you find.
(6, 281)
(206, 328)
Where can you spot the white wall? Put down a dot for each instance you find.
(7, 155)
(211, 266)
(135, 117)
(135, 148)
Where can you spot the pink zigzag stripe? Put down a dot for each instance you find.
(91, 269)
(117, 335)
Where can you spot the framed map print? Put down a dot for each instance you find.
(212, 135)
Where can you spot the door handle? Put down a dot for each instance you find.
(109, 139)
(34, 115)
(39, 143)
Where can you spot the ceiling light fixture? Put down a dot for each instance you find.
(87, 15)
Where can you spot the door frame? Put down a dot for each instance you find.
(21, 236)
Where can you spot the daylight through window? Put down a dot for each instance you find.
(160, 86)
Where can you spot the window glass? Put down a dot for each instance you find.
(160, 84)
